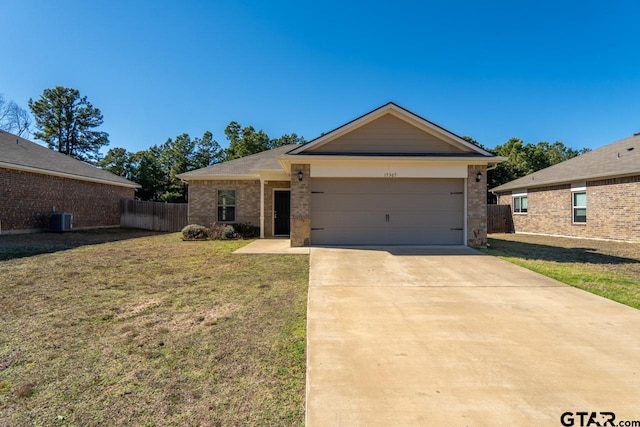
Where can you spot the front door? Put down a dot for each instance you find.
(281, 212)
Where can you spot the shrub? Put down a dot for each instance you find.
(247, 231)
(215, 231)
(219, 231)
(195, 232)
(228, 232)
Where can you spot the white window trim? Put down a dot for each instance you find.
(513, 202)
(578, 188)
(235, 205)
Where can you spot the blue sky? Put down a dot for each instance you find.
(539, 71)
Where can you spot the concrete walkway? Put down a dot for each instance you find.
(272, 246)
(448, 336)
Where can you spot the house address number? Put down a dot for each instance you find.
(390, 174)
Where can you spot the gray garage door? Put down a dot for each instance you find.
(387, 211)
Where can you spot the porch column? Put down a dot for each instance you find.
(300, 205)
(476, 199)
(261, 208)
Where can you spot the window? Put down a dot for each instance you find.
(226, 205)
(520, 204)
(579, 205)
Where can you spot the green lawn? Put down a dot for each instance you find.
(146, 330)
(608, 269)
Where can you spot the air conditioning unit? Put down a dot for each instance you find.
(60, 222)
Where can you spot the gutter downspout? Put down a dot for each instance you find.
(261, 207)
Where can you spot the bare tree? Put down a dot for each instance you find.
(14, 118)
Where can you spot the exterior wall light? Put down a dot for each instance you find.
(299, 175)
(478, 176)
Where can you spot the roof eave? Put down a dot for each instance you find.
(242, 177)
(68, 175)
(292, 158)
(541, 184)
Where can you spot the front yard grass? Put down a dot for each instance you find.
(149, 330)
(608, 269)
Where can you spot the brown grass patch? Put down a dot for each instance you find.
(149, 330)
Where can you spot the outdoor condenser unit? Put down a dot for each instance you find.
(60, 222)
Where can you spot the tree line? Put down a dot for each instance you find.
(156, 168)
(523, 159)
(67, 123)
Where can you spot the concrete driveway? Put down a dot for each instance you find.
(448, 336)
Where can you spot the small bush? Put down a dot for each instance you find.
(195, 232)
(247, 231)
(228, 232)
(243, 230)
(215, 231)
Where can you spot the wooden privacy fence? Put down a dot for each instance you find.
(156, 216)
(499, 219)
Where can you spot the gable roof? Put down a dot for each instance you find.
(21, 154)
(401, 113)
(277, 159)
(621, 158)
(244, 167)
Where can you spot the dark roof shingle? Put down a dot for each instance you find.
(616, 159)
(265, 160)
(22, 154)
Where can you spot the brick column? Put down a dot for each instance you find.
(476, 206)
(300, 206)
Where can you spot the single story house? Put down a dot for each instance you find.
(387, 177)
(36, 181)
(594, 195)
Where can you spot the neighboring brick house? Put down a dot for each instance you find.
(35, 180)
(387, 177)
(594, 195)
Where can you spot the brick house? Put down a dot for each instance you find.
(387, 177)
(36, 180)
(594, 195)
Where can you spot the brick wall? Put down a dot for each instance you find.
(27, 199)
(476, 206)
(203, 201)
(613, 211)
(300, 206)
(613, 208)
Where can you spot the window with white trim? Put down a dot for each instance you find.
(226, 205)
(520, 203)
(579, 206)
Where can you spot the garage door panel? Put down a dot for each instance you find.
(408, 220)
(377, 236)
(383, 203)
(387, 211)
(351, 219)
(347, 202)
(383, 186)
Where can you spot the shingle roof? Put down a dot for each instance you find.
(265, 160)
(621, 158)
(22, 154)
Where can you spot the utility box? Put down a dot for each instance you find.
(60, 222)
